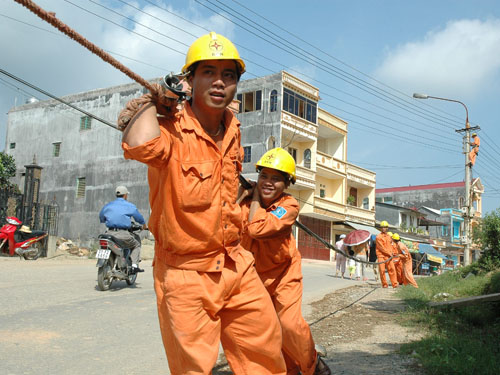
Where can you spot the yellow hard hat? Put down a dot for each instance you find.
(473, 134)
(212, 46)
(278, 159)
(384, 224)
(396, 237)
(389, 233)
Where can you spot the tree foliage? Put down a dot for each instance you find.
(488, 235)
(7, 170)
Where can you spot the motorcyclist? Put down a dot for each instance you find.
(117, 215)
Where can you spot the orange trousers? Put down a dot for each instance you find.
(408, 272)
(398, 265)
(198, 310)
(391, 270)
(284, 285)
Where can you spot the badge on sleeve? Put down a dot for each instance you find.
(279, 212)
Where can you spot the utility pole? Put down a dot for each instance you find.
(468, 167)
(468, 200)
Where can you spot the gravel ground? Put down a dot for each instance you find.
(358, 327)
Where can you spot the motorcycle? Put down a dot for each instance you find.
(113, 260)
(17, 239)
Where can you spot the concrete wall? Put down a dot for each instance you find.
(388, 214)
(258, 126)
(436, 198)
(95, 154)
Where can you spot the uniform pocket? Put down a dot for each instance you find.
(196, 184)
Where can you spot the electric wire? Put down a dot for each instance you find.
(166, 46)
(333, 57)
(339, 73)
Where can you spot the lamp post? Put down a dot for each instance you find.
(466, 143)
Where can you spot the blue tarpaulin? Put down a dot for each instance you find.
(424, 248)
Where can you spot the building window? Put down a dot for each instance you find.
(273, 101)
(85, 122)
(56, 149)
(366, 203)
(444, 231)
(12, 145)
(387, 199)
(80, 187)
(293, 152)
(250, 101)
(378, 200)
(299, 105)
(307, 158)
(322, 193)
(247, 154)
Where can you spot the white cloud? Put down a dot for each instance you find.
(61, 66)
(461, 60)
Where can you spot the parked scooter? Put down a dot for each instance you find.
(113, 260)
(18, 239)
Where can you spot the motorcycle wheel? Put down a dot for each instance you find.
(35, 253)
(131, 279)
(103, 276)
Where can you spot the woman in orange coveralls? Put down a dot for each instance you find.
(268, 215)
(405, 260)
(207, 288)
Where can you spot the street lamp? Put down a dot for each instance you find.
(467, 171)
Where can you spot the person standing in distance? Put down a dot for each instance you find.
(385, 250)
(117, 215)
(207, 288)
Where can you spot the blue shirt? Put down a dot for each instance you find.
(118, 214)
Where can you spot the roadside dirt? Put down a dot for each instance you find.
(358, 327)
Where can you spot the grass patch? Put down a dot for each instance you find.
(461, 340)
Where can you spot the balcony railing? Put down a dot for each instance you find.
(359, 214)
(305, 177)
(297, 124)
(330, 163)
(360, 175)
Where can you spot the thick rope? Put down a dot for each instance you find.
(331, 247)
(61, 26)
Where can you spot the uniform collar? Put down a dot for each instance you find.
(231, 123)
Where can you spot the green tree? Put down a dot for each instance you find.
(7, 170)
(487, 234)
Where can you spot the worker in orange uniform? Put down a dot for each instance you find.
(405, 260)
(476, 142)
(268, 215)
(398, 265)
(385, 250)
(206, 285)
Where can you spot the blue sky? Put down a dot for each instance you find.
(366, 57)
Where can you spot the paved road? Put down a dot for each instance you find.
(53, 320)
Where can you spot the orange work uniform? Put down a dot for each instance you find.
(206, 286)
(475, 150)
(384, 251)
(406, 261)
(398, 264)
(278, 262)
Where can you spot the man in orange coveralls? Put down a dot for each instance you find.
(405, 260)
(384, 249)
(207, 288)
(268, 215)
(476, 142)
(398, 264)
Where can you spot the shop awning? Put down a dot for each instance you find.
(370, 229)
(432, 254)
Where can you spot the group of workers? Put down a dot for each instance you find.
(399, 268)
(226, 269)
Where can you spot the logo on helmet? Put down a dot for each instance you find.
(270, 158)
(216, 48)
